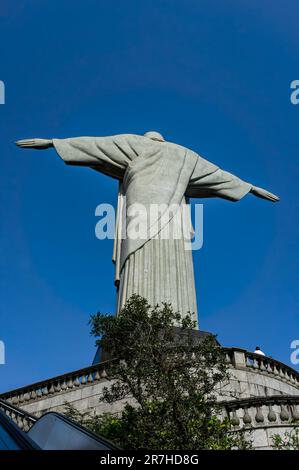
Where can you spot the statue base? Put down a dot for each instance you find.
(198, 335)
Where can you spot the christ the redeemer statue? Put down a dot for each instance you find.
(152, 171)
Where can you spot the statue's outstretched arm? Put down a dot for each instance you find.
(208, 180)
(262, 193)
(38, 144)
(110, 155)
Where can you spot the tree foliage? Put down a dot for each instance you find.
(166, 381)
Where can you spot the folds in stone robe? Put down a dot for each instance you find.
(160, 173)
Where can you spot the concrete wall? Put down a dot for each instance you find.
(249, 383)
(262, 437)
(84, 399)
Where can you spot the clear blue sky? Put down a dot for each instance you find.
(212, 75)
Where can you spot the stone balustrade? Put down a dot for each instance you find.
(59, 384)
(237, 358)
(242, 359)
(22, 419)
(265, 392)
(273, 411)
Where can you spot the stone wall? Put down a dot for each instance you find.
(84, 399)
(252, 377)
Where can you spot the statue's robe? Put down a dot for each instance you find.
(153, 172)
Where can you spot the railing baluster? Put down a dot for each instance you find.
(246, 417)
(262, 365)
(295, 413)
(284, 414)
(235, 420)
(271, 415)
(57, 387)
(77, 382)
(259, 417)
(15, 400)
(97, 376)
(70, 383)
(64, 385)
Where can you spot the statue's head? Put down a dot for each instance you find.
(154, 136)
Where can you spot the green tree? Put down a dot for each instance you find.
(167, 382)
